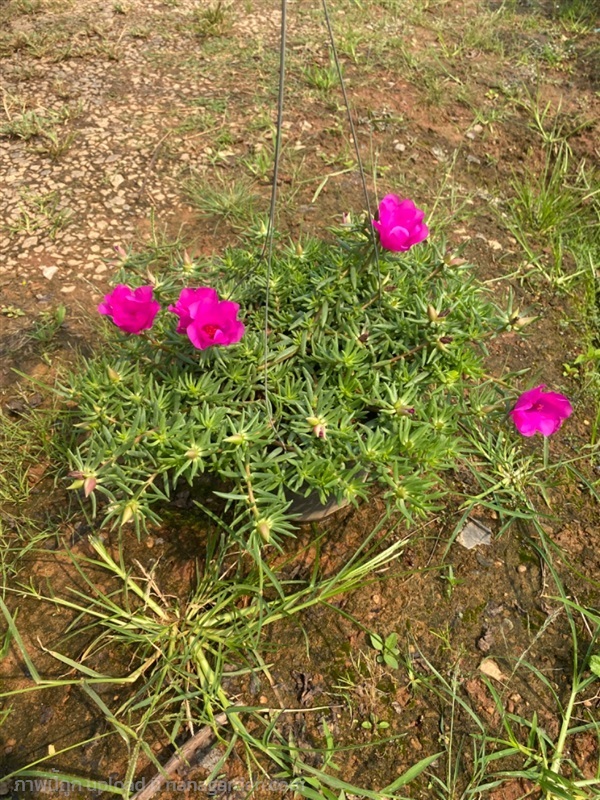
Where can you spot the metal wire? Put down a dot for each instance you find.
(268, 247)
(354, 139)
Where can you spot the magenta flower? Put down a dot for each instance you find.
(182, 307)
(541, 411)
(400, 224)
(131, 310)
(206, 319)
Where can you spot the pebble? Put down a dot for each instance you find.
(521, 569)
(49, 272)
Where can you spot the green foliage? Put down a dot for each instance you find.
(234, 201)
(211, 21)
(387, 648)
(361, 389)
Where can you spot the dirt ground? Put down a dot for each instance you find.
(113, 113)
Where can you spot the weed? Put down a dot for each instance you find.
(260, 163)
(43, 124)
(56, 145)
(213, 21)
(579, 16)
(196, 123)
(24, 442)
(180, 651)
(450, 580)
(554, 128)
(350, 44)
(321, 78)
(42, 212)
(559, 208)
(233, 201)
(387, 647)
(47, 326)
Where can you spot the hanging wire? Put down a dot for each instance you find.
(267, 250)
(268, 246)
(354, 140)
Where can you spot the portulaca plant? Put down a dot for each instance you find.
(336, 369)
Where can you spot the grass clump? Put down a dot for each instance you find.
(233, 201)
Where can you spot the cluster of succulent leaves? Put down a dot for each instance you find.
(368, 374)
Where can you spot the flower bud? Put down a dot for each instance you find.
(187, 263)
(403, 410)
(113, 375)
(320, 431)
(89, 485)
(432, 314)
(521, 322)
(454, 261)
(236, 438)
(319, 426)
(127, 514)
(263, 527)
(299, 249)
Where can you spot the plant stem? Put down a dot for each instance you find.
(562, 737)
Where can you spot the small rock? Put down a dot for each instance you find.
(489, 667)
(67, 289)
(485, 641)
(399, 148)
(49, 272)
(16, 405)
(522, 569)
(10, 745)
(473, 534)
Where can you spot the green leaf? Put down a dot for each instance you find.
(595, 665)
(391, 660)
(411, 773)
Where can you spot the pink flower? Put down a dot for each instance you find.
(541, 411)
(206, 319)
(400, 224)
(182, 307)
(131, 310)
